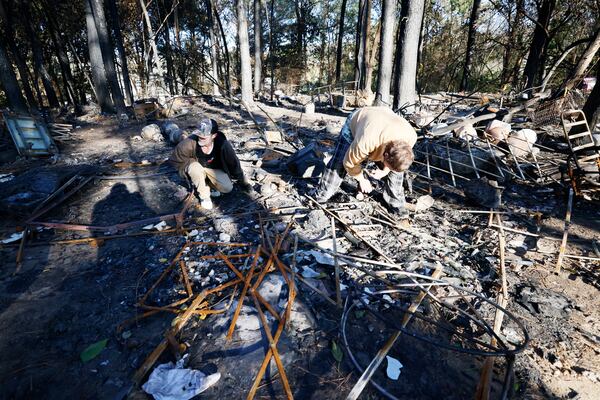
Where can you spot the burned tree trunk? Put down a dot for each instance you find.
(168, 52)
(9, 39)
(465, 81)
(539, 44)
(591, 109)
(338, 57)
(97, 63)
(272, 46)
(584, 63)
(152, 40)
(407, 48)
(212, 28)
(112, 6)
(372, 59)
(215, 15)
(257, 47)
(38, 61)
(246, 68)
(64, 63)
(362, 44)
(9, 83)
(386, 58)
(513, 41)
(107, 51)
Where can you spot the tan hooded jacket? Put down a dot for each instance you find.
(372, 128)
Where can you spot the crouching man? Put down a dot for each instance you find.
(376, 134)
(207, 159)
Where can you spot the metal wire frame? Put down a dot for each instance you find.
(348, 309)
(503, 350)
(496, 169)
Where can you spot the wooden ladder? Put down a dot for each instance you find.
(581, 143)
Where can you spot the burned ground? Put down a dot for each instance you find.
(67, 295)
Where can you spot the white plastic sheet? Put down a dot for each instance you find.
(173, 382)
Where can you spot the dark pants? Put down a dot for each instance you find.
(334, 174)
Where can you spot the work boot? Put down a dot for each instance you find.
(206, 204)
(399, 214)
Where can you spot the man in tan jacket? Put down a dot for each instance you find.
(376, 134)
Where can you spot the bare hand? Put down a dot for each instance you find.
(379, 173)
(364, 185)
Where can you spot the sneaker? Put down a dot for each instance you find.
(215, 193)
(206, 204)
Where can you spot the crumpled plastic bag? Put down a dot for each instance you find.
(173, 382)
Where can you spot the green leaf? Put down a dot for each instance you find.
(321, 275)
(336, 352)
(93, 350)
(360, 314)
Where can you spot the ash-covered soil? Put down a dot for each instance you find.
(68, 295)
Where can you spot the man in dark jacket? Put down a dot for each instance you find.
(207, 158)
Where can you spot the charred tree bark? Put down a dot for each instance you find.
(539, 44)
(152, 40)
(107, 54)
(584, 63)
(257, 47)
(38, 60)
(386, 58)
(63, 60)
(10, 84)
(324, 65)
(213, 49)
(362, 43)
(215, 15)
(372, 59)
(112, 6)
(97, 63)
(300, 9)
(591, 109)
(9, 40)
(272, 46)
(340, 42)
(168, 52)
(245, 67)
(406, 52)
(465, 81)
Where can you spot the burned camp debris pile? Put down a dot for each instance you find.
(274, 294)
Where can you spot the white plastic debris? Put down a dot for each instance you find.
(424, 202)
(224, 237)
(308, 272)
(498, 130)
(466, 132)
(152, 133)
(393, 368)
(6, 177)
(13, 238)
(161, 226)
(322, 258)
(173, 382)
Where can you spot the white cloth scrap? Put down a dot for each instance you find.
(172, 382)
